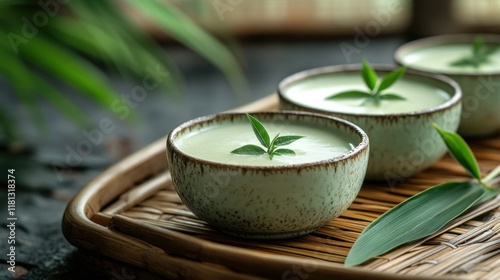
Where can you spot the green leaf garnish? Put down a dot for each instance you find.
(252, 150)
(391, 78)
(480, 54)
(375, 88)
(259, 131)
(350, 94)
(425, 213)
(369, 75)
(263, 137)
(285, 140)
(391, 96)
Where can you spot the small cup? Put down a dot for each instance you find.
(401, 144)
(267, 199)
(480, 87)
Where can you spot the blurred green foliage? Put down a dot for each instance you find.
(56, 38)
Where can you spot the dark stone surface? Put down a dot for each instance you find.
(43, 191)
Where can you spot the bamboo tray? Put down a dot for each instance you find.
(128, 223)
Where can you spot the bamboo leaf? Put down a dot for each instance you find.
(286, 140)
(73, 70)
(6, 125)
(391, 78)
(459, 149)
(259, 131)
(414, 218)
(351, 94)
(251, 150)
(21, 80)
(369, 75)
(62, 103)
(182, 28)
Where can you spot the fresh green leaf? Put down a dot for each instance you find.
(286, 140)
(178, 25)
(6, 125)
(463, 62)
(351, 94)
(282, 152)
(62, 103)
(261, 134)
(477, 44)
(414, 218)
(480, 54)
(44, 53)
(375, 94)
(392, 96)
(252, 150)
(391, 78)
(22, 82)
(259, 131)
(369, 75)
(459, 149)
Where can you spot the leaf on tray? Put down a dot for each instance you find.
(414, 218)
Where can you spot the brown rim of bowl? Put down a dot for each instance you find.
(362, 146)
(445, 40)
(453, 101)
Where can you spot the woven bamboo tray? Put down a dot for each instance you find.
(129, 223)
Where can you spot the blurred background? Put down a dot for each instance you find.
(86, 83)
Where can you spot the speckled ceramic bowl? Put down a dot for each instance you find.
(268, 202)
(401, 144)
(480, 88)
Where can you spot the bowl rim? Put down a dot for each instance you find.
(446, 39)
(344, 68)
(358, 149)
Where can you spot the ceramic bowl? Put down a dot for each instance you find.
(480, 88)
(401, 144)
(265, 201)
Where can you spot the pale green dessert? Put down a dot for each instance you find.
(313, 92)
(215, 143)
(438, 58)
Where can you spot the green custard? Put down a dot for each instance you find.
(419, 95)
(438, 58)
(215, 143)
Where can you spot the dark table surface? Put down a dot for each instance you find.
(48, 174)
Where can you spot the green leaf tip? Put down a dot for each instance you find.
(460, 151)
(369, 75)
